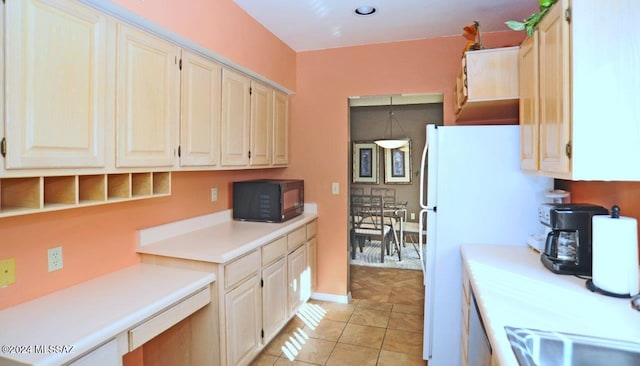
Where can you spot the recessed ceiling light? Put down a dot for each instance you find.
(364, 10)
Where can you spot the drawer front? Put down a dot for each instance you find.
(312, 228)
(274, 250)
(241, 268)
(296, 237)
(165, 320)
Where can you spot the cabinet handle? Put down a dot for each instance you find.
(567, 149)
(3, 147)
(249, 154)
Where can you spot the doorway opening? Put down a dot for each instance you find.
(393, 174)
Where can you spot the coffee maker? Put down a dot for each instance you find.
(568, 245)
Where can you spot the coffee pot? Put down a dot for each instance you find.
(568, 245)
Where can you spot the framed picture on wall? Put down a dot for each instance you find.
(397, 165)
(365, 162)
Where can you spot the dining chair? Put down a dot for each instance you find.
(388, 195)
(357, 190)
(368, 223)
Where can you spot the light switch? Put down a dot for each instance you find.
(335, 188)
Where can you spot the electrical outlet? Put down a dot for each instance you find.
(7, 271)
(214, 194)
(413, 216)
(335, 188)
(55, 258)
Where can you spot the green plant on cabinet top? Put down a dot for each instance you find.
(530, 23)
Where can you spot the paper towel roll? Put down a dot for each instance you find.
(615, 254)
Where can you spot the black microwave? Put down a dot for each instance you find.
(268, 200)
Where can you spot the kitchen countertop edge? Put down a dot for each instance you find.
(222, 241)
(87, 335)
(513, 288)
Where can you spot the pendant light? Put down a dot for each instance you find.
(391, 143)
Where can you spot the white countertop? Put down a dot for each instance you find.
(215, 238)
(88, 314)
(513, 288)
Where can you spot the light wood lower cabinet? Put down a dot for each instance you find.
(253, 298)
(466, 301)
(312, 242)
(242, 318)
(274, 296)
(312, 263)
(299, 281)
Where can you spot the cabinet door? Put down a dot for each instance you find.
(311, 261)
(528, 83)
(555, 91)
(280, 129)
(56, 90)
(200, 111)
(235, 118)
(242, 314)
(299, 279)
(492, 74)
(147, 100)
(274, 298)
(261, 124)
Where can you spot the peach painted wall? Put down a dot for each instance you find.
(320, 114)
(624, 194)
(100, 239)
(223, 27)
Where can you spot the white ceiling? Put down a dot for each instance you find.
(307, 25)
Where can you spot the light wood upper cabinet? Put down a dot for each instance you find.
(487, 86)
(56, 90)
(261, 124)
(201, 88)
(588, 122)
(280, 128)
(147, 104)
(236, 117)
(529, 123)
(251, 112)
(555, 91)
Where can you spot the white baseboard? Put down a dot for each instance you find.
(342, 299)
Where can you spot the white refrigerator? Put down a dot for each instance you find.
(473, 192)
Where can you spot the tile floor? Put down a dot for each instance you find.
(381, 326)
